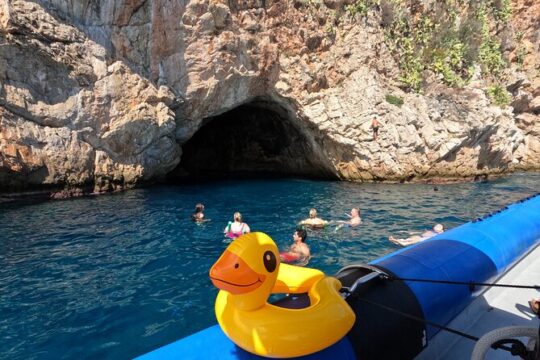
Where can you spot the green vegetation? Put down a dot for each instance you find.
(490, 55)
(449, 61)
(411, 65)
(429, 43)
(330, 29)
(502, 10)
(521, 51)
(360, 7)
(312, 3)
(447, 38)
(330, 25)
(394, 100)
(499, 96)
(520, 56)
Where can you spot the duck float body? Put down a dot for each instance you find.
(249, 271)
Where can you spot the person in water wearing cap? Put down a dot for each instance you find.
(437, 229)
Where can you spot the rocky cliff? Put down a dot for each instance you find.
(99, 95)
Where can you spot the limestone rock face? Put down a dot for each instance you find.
(526, 89)
(102, 94)
(71, 116)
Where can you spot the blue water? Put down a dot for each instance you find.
(117, 276)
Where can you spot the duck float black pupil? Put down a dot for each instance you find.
(270, 261)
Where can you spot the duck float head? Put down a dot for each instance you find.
(247, 272)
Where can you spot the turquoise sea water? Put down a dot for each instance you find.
(118, 276)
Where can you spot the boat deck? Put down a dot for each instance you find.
(495, 308)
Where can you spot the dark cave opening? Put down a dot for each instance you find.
(253, 140)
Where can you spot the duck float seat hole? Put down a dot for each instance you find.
(247, 273)
(291, 301)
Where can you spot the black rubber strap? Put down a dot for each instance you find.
(469, 283)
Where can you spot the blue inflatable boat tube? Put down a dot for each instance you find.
(478, 251)
(393, 314)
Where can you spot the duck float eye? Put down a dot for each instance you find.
(270, 262)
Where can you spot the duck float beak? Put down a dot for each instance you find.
(232, 274)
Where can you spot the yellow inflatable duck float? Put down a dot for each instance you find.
(247, 272)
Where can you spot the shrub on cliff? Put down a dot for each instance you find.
(394, 100)
(499, 96)
(448, 38)
(360, 7)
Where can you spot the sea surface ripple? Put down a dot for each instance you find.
(117, 276)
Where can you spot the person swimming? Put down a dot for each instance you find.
(313, 221)
(354, 219)
(298, 253)
(236, 228)
(437, 229)
(198, 215)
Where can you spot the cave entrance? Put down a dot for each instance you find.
(252, 140)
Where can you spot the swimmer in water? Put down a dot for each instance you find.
(354, 219)
(313, 221)
(236, 228)
(437, 229)
(198, 215)
(298, 253)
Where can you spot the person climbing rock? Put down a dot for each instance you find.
(375, 128)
